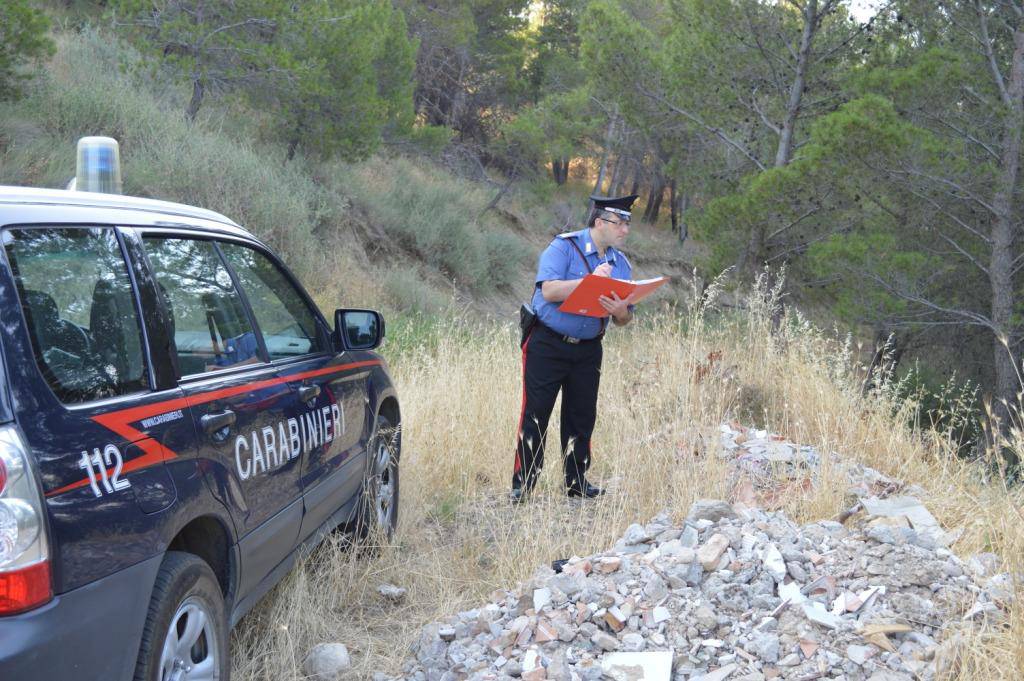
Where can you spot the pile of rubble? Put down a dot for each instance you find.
(738, 591)
(764, 468)
(733, 593)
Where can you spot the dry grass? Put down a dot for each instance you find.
(655, 448)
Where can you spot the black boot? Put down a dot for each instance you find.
(517, 495)
(521, 487)
(585, 490)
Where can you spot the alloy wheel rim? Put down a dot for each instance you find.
(190, 651)
(385, 484)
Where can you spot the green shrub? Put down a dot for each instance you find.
(435, 216)
(97, 86)
(504, 251)
(408, 292)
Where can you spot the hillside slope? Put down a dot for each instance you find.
(394, 232)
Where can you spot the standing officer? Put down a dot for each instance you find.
(563, 352)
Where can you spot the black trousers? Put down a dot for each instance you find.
(551, 365)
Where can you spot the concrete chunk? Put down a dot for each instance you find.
(710, 509)
(711, 553)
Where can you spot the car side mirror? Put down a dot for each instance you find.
(359, 329)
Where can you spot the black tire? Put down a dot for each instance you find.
(186, 593)
(377, 517)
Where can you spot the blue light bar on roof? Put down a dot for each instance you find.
(99, 166)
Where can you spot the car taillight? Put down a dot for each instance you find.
(24, 554)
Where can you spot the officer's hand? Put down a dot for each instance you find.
(603, 270)
(615, 306)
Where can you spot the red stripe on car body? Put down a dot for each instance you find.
(154, 452)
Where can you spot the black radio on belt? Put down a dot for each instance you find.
(527, 320)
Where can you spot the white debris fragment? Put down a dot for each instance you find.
(652, 666)
(541, 597)
(774, 563)
(816, 613)
(791, 592)
(395, 594)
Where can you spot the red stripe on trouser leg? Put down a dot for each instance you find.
(522, 411)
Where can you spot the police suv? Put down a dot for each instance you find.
(177, 422)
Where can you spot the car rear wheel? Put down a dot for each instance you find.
(378, 512)
(186, 632)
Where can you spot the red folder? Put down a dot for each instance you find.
(584, 298)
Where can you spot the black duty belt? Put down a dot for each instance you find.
(571, 340)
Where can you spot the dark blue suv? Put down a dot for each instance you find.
(177, 422)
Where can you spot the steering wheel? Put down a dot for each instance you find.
(84, 354)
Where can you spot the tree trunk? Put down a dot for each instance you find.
(296, 137)
(1005, 403)
(677, 204)
(654, 201)
(497, 197)
(796, 90)
(609, 139)
(600, 174)
(557, 170)
(457, 101)
(673, 205)
(638, 169)
(649, 202)
(617, 176)
(755, 256)
(684, 229)
(198, 90)
(656, 208)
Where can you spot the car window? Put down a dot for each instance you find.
(211, 329)
(288, 325)
(81, 313)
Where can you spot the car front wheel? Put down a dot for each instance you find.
(378, 512)
(186, 632)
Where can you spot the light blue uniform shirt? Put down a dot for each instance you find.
(560, 262)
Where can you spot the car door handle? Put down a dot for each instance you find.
(308, 392)
(214, 422)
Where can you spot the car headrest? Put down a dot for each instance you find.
(104, 316)
(41, 308)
